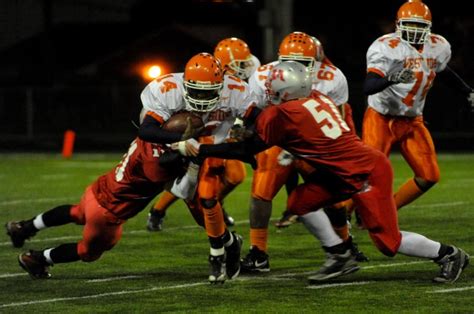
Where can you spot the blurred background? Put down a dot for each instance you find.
(81, 64)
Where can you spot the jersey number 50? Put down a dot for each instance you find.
(332, 128)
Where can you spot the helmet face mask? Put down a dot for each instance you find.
(414, 31)
(202, 98)
(299, 47)
(234, 55)
(414, 22)
(288, 80)
(203, 82)
(241, 68)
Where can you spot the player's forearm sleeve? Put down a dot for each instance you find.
(150, 131)
(238, 150)
(374, 83)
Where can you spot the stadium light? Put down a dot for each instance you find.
(154, 71)
(150, 69)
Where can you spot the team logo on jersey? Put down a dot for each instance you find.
(416, 63)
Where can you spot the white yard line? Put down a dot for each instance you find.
(396, 264)
(334, 285)
(190, 285)
(451, 290)
(114, 278)
(439, 204)
(13, 275)
(101, 295)
(37, 200)
(8, 243)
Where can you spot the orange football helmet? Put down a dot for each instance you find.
(319, 50)
(235, 57)
(300, 47)
(203, 81)
(414, 22)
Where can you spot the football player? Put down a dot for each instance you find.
(219, 99)
(308, 125)
(272, 169)
(401, 67)
(105, 206)
(237, 60)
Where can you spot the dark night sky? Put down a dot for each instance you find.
(59, 47)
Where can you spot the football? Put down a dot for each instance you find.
(177, 123)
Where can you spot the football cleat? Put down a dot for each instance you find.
(255, 261)
(34, 265)
(335, 265)
(358, 255)
(18, 232)
(233, 257)
(452, 266)
(286, 220)
(217, 269)
(155, 221)
(229, 221)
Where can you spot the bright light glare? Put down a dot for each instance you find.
(154, 71)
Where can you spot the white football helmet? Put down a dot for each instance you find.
(288, 80)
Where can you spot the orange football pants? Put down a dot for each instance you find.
(416, 144)
(102, 230)
(210, 183)
(269, 176)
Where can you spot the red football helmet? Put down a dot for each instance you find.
(203, 81)
(414, 22)
(235, 57)
(300, 47)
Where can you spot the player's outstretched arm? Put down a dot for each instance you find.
(151, 131)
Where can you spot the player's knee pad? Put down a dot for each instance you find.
(235, 177)
(208, 203)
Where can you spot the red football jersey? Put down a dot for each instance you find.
(138, 178)
(313, 129)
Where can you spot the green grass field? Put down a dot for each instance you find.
(167, 271)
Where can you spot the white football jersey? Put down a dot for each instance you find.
(388, 55)
(327, 79)
(164, 97)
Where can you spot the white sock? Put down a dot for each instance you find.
(185, 187)
(38, 222)
(318, 224)
(414, 244)
(47, 256)
(217, 252)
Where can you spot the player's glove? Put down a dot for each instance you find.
(240, 133)
(405, 75)
(285, 158)
(187, 148)
(190, 131)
